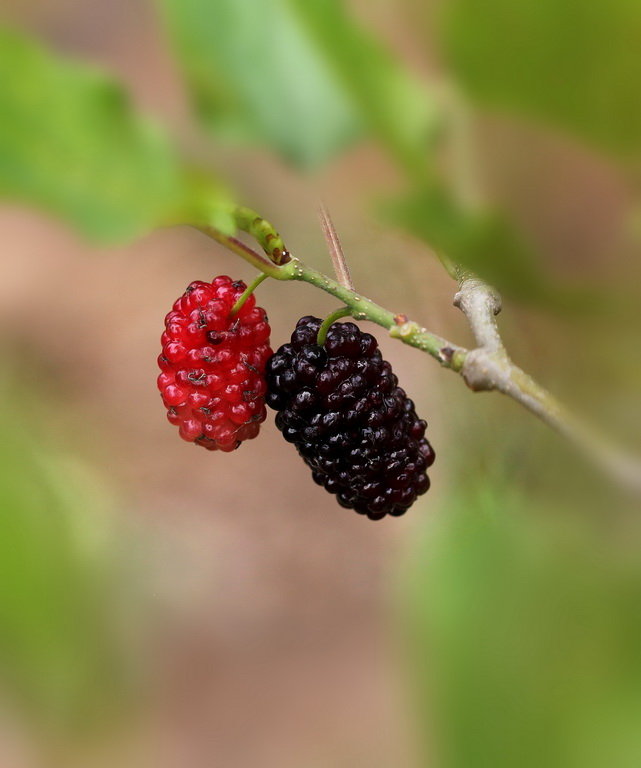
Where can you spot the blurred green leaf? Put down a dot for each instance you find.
(71, 144)
(301, 76)
(62, 652)
(525, 636)
(396, 108)
(484, 242)
(255, 75)
(207, 201)
(573, 63)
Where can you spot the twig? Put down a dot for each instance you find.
(489, 367)
(486, 367)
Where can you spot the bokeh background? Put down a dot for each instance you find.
(162, 607)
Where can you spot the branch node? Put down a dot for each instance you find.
(405, 330)
(446, 355)
(482, 371)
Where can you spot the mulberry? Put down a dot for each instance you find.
(213, 365)
(342, 408)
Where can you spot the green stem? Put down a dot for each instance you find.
(328, 322)
(247, 253)
(247, 293)
(360, 308)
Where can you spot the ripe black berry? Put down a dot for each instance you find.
(342, 408)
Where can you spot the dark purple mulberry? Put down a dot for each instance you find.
(342, 408)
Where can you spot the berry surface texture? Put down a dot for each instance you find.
(342, 408)
(212, 378)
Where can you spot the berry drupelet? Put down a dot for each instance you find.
(213, 365)
(342, 408)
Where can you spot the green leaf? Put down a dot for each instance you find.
(525, 635)
(71, 144)
(207, 201)
(484, 242)
(394, 106)
(573, 63)
(299, 76)
(62, 656)
(255, 75)
(489, 244)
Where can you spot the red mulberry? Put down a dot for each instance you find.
(213, 365)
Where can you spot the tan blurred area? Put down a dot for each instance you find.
(265, 614)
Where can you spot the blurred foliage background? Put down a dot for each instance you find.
(159, 607)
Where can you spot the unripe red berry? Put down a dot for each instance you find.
(212, 379)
